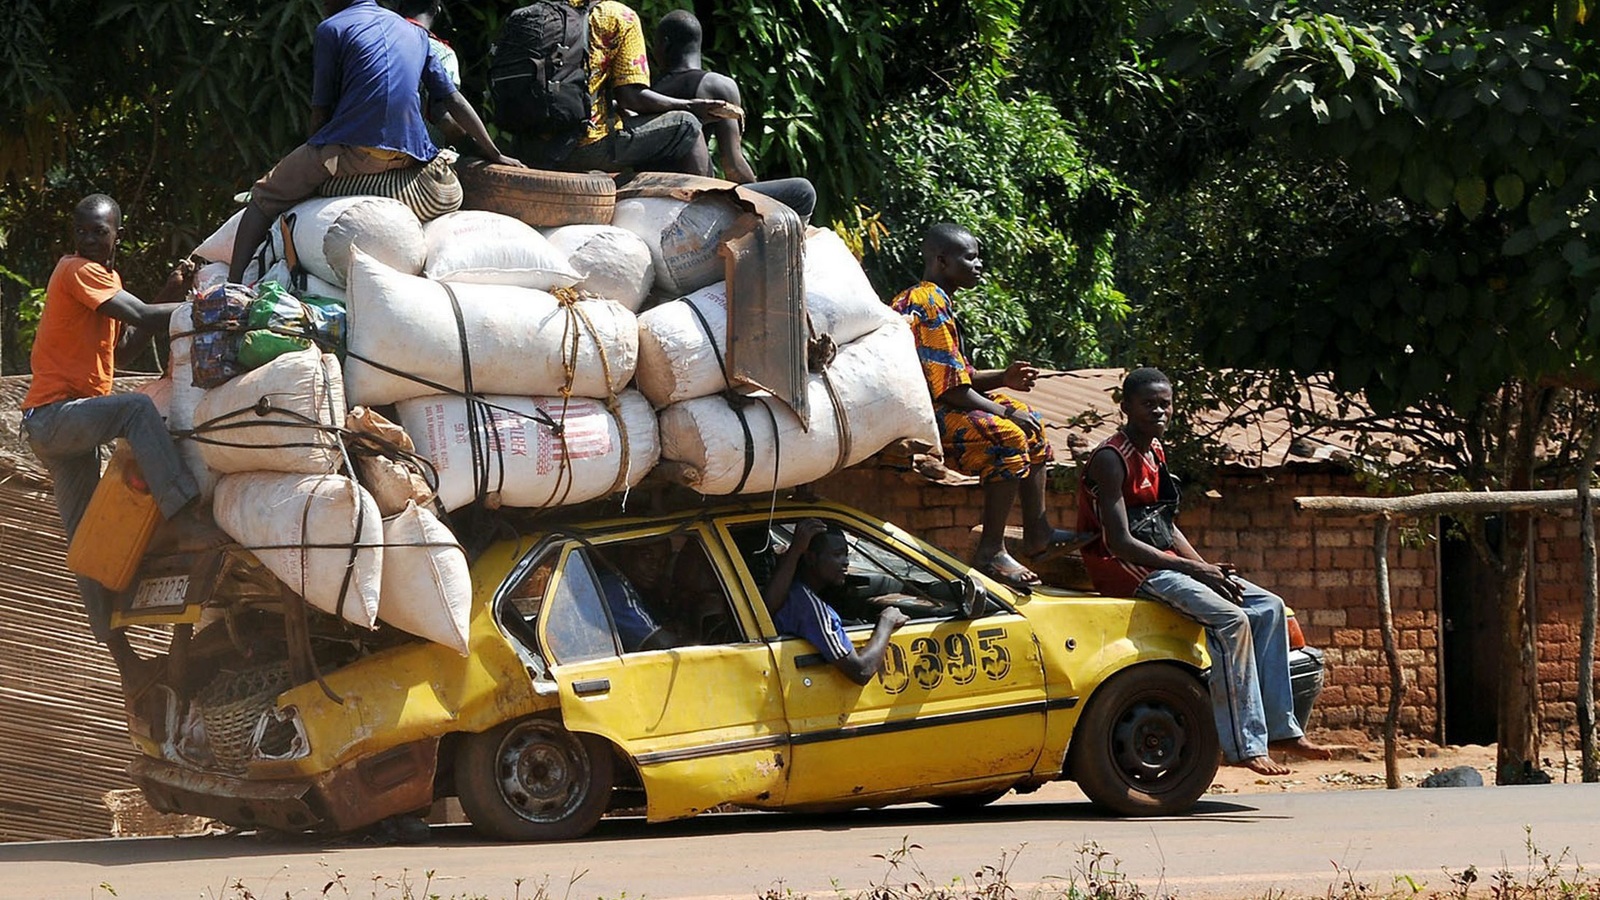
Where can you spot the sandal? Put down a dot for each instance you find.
(1006, 570)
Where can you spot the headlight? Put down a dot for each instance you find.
(280, 735)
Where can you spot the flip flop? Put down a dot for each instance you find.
(1007, 570)
(1061, 541)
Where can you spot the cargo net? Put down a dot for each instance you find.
(231, 706)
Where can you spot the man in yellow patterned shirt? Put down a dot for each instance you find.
(664, 133)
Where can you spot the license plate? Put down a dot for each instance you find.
(160, 593)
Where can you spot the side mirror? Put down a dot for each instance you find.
(974, 599)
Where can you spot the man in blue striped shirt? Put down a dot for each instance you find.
(815, 561)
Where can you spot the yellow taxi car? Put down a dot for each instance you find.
(562, 710)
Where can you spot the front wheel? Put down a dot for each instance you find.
(532, 780)
(1147, 744)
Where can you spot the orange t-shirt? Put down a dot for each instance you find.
(75, 347)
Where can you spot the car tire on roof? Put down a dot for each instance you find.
(539, 197)
(1147, 744)
(532, 780)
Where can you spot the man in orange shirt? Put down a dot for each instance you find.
(70, 412)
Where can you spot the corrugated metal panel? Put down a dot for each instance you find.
(63, 739)
(1079, 413)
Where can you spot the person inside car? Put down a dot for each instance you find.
(630, 582)
(814, 562)
(985, 433)
(1246, 626)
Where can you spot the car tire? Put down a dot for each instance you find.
(1147, 744)
(533, 780)
(969, 802)
(541, 198)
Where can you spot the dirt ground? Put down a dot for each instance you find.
(1358, 765)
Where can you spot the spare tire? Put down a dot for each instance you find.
(538, 197)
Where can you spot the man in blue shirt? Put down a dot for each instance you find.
(798, 609)
(366, 114)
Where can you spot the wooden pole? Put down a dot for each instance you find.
(1397, 681)
(1442, 503)
(1587, 754)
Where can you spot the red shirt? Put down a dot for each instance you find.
(74, 349)
(1141, 485)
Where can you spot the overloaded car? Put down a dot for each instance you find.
(563, 709)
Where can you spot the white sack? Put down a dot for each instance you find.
(682, 236)
(327, 228)
(219, 246)
(263, 510)
(315, 287)
(484, 247)
(882, 394)
(299, 386)
(678, 357)
(532, 467)
(840, 300)
(185, 396)
(518, 338)
(426, 589)
(614, 262)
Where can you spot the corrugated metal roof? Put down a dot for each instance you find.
(1079, 412)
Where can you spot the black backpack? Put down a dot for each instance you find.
(539, 75)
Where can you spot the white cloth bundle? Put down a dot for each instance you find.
(263, 420)
(304, 529)
(882, 397)
(520, 340)
(483, 247)
(327, 229)
(521, 462)
(614, 262)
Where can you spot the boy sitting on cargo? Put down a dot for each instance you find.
(366, 114)
(69, 411)
(991, 435)
(814, 562)
(678, 43)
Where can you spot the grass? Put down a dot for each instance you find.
(1095, 875)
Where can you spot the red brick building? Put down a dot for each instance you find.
(1322, 566)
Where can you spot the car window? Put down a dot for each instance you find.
(877, 576)
(577, 628)
(665, 592)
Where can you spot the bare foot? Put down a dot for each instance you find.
(1264, 765)
(1302, 747)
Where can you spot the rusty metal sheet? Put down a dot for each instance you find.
(763, 256)
(767, 326)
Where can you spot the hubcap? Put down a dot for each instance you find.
(1148, 743)
(542, 772)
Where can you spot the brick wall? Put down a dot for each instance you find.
(1321, 565)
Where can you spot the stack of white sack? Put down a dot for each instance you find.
(317, 236)
(411, 336)
(283, 416)
(682, 344)
(504, 450)
(871, 395)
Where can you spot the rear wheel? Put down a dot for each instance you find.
(533, 780)
(1147, 745)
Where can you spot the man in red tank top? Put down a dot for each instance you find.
(1246, 626)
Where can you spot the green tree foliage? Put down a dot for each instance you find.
(1010, 169)
(1400, 209)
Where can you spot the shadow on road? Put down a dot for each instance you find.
(142, 851)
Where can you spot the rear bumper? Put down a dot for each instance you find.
(1306, 679)
(349, 797)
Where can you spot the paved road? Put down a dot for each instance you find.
(1235, 847)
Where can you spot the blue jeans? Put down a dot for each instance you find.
(1251, 695)
(67, 436)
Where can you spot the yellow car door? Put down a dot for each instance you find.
(960, 702)
(696, 705)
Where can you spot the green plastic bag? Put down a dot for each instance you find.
(280, 323)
